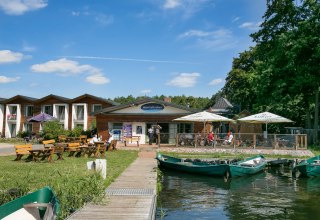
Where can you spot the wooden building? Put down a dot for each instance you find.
(134, 119)
(71, 113)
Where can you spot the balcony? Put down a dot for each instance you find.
(12, 117)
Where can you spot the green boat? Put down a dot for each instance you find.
(195, 167)
(310, 167)
(248, 166)
(41, 204)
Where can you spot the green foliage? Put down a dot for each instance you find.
(52, 129)
(200, 103)
(281, 73)
(23, 134)
(75, 132)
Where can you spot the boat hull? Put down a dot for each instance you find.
(245, 167)
(44, 195)
(192, 167)
(310, 167)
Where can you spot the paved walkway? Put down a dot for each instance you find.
(132, 195)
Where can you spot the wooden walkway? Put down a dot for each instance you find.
(131, 196)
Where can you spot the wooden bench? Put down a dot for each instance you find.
(22, 150)
(73, 148)
(112, 145)
(48, 143)
(132, 139)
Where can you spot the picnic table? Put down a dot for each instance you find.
(98, 149)
(37, 154)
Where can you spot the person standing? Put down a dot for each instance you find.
(150, 135)
(158, 129)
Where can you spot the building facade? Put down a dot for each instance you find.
(134, 119)
(78, 112)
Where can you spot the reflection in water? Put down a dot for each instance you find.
(273, 194)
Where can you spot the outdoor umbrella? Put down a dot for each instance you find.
(265, 118)
(204, 117)
(42, 117)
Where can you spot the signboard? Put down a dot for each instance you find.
(152, 107)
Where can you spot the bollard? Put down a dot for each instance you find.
(99, 165)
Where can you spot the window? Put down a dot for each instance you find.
(48, 109)
(117, 126)
(28, 127)
(61, 112)
(96, 107)
(29, 111)
(185, 128)
(80, 112)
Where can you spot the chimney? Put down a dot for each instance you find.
(167, 99)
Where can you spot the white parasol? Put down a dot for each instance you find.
(204, 117)
(266, 118)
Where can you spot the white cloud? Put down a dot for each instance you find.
(8, 56)
(217, 40)
(97, 79)
(145, 91)
(235, 19)
(186, 8)
(103, 19)
(169, 4)
(216, 82)
(195, 33)
(184, 80)
(151, 68)
(4, 79)
(250, 25)
(19, 7)
(67, 67)
(28, 48)
(75, 13)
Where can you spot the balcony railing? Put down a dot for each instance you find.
(12, 117)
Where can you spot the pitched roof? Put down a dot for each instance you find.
(94, 97)
(145, 100)
(222, 105)
(27, 98)
(61, 98)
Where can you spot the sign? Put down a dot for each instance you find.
(152, 107)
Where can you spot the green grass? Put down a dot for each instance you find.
(69, 178)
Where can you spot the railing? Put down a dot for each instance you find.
(12, 117)
(244, 140)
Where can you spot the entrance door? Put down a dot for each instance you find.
(139, 129)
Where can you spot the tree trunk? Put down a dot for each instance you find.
(316, 118)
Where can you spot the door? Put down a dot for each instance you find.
(139, 129)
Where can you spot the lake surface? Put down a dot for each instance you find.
(273, 194)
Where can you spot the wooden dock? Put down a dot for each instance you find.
(131, 196)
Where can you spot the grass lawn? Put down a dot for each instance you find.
(69, 178)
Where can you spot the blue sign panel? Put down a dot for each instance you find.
(152, 107)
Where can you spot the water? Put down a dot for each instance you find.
(273, 194)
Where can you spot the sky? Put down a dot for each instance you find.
(113, 48)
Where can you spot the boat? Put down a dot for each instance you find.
(40, 204)
(309, 167)
(278, 162)
(191, 166)
(248, 166)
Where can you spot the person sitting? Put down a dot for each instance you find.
(110, 139)
(229, 139)
(211, 138)
(94, 139)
